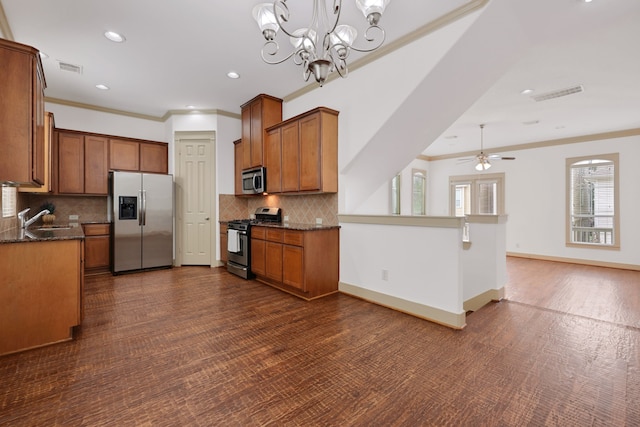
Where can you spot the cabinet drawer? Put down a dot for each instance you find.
(274, 235)
(258, 233)
(96, 229)
(295, 238)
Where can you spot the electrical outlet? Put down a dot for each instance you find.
(318, 221)
(73, 217)
(385, 275)
(286, 218)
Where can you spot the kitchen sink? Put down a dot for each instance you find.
(53, 227)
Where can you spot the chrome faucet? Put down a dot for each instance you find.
(25, 221)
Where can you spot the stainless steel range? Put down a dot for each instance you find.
(239, 240)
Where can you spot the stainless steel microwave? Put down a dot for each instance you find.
(254, 181)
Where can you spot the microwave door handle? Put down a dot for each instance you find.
(255, 180)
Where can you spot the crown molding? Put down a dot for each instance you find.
(163, 118)
(540, 144)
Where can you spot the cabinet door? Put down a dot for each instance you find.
(237, 154)
(96, 164)
(124, 155)
(290, 157)
(293, 262)
(257, 134)
(223, 242)
(70, 163)
(246, 137)
(96, 251)
(273, 261)
(154, 157)
(310, 153)
(258, 251)
(273, 161)
(38, 142)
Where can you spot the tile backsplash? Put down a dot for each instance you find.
(302, 209)
(88, 208)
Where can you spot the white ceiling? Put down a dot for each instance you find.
(177, 53)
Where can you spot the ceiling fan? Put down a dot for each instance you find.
(482, 159)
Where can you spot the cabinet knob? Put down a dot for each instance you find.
(206, 219)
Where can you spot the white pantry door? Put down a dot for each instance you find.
(194, 184)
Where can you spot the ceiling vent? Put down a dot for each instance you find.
(65, 66)
(558, 93)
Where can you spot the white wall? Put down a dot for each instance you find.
(535, 198)
(74, 118)
(427, 274)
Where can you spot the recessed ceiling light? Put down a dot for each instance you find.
(526, 91)
(233, 75)
(587, 1)
(102, 87)
(191, 107)
(114, 37)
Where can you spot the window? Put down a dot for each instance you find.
(419, 192)
(471, 195)
(592, 201)
(8, 201)
(395, 195)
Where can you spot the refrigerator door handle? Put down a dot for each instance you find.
(140, 208)
(144, 207)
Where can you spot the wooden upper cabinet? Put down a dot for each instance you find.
(308, 151)
(96, 165)
(124, 155)
(273, 161)
(138, 156)
(258, 114)
(290, 157)
(47, 187)
(70, 163)
(21, 114)
(83, 166)
(154, 157)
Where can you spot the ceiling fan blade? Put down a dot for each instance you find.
(466, 159)
(499, 157)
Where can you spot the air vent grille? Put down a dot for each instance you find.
(65, 66)
(558, 93)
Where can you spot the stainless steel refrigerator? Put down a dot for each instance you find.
(141, 209)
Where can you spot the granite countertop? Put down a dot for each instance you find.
(297, 226)
(40, 234)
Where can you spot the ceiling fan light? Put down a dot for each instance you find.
(266, 19)
(483, 165)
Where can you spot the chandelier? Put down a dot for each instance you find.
(323, 46)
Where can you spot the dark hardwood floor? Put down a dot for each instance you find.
(195, 346)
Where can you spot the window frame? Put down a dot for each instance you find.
(569, 162)
(474, 181)
(394, 194)
(423, 174)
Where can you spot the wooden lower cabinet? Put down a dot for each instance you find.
(42, 300)
(302, 262)
(223, 243)
(97, 249)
